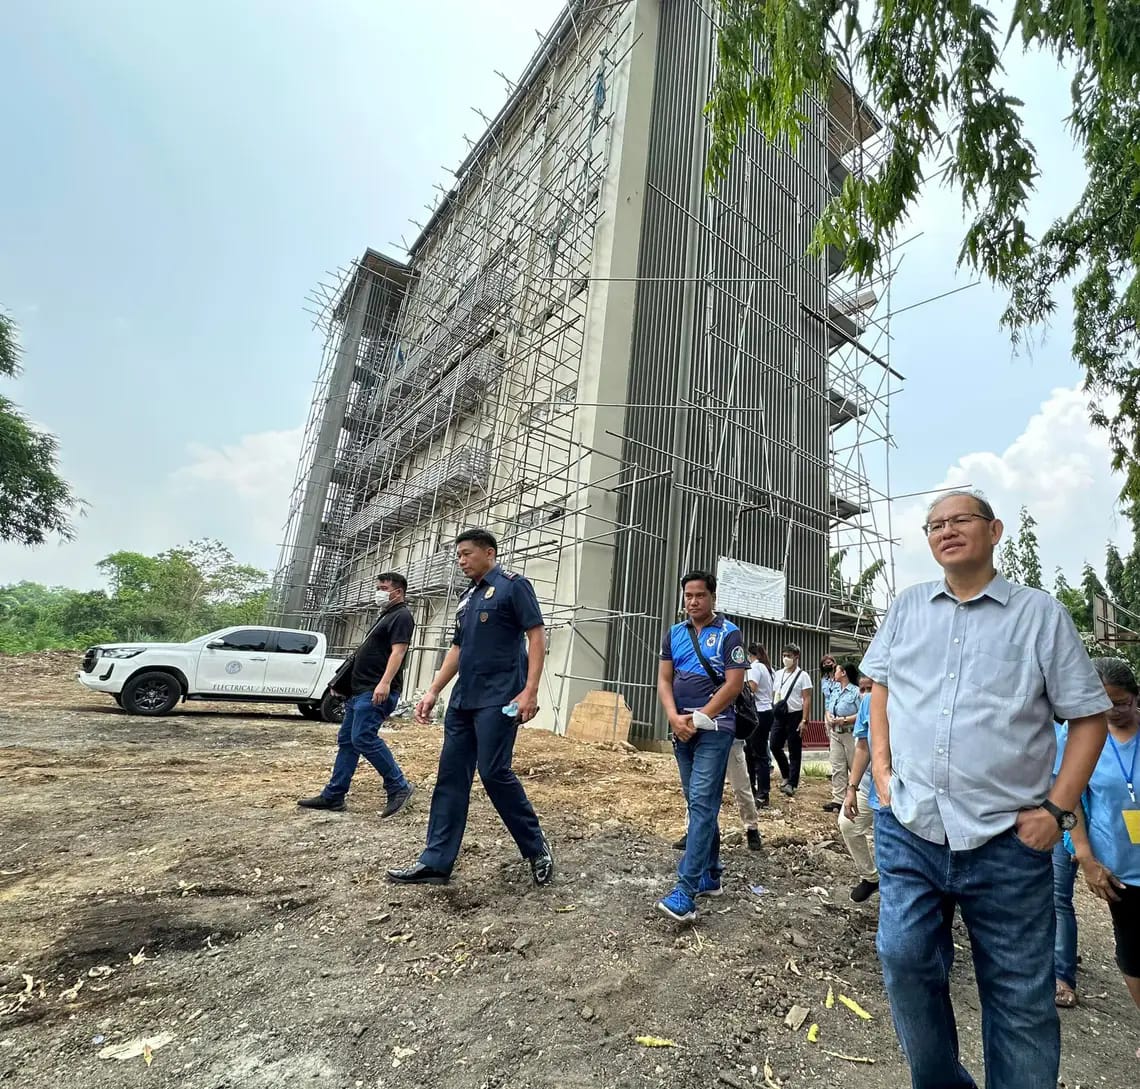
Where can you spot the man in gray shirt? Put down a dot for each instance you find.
(969, 673)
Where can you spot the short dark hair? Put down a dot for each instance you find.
(395, 578)
(706, 577)
(484, 538)
(793, 647)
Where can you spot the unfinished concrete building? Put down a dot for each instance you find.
(619, 372)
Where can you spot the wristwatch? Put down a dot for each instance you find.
(1066, 820)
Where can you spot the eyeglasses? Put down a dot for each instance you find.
(959, 521)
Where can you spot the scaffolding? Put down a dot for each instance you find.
(514, 372)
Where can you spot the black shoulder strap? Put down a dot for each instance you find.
(718, 681)
(785, 692)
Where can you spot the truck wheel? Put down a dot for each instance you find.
(151, 694)
(332, 707)
(311, 711)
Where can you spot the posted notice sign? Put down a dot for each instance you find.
(747, 589)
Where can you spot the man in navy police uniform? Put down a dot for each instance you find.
(703, 723)
(496, 672)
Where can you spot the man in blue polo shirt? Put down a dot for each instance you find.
(700, 674)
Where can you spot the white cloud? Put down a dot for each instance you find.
(1059, 467)
(237, 493)
(242, 490)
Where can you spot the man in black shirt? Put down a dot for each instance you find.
(377, 679)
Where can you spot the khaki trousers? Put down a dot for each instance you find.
(741, 783)
(856, 835)
(841, 753)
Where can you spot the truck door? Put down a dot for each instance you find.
(235, 663)
(294, 664)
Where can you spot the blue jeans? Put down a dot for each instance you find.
(1005, 893)
(485, 738)
(1065, 944)
(702, 762)
(358, 737)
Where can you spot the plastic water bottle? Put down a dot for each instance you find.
(511, 710)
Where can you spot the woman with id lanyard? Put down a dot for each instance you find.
(1107, 839)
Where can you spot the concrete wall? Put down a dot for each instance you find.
(586, 572)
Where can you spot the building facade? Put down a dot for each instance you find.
(619, 371)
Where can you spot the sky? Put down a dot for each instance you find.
(181, 176)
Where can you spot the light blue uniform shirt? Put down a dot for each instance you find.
(974, 687)
(828, 686)
(862, 729)
(1105, 801)
(843, 700)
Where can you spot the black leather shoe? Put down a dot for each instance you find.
(321, 802)
(864, 890)
(542, 866)
(419, 874)
(397, 801)
(831, 807)
(681, 843)
(753, 837)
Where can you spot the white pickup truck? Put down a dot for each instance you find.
(247, 664)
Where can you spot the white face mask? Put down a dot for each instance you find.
(789, 661)
(381, 598)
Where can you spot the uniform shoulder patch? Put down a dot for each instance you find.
(738, 655)
(512, 575)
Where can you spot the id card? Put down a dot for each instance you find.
(1132, 823)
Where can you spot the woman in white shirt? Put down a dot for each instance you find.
(759, 680)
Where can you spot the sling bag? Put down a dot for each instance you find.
(747, 718)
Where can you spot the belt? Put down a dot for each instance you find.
(840, 729)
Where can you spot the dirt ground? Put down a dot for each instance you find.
(157, 882)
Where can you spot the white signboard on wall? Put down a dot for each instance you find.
(747, 589)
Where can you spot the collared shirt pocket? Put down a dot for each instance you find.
(1001, 668)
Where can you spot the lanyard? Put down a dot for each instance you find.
(1129, 776)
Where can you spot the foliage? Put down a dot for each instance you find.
(933, 70)
(1009, 561)
(858, 592)
(35, 501)
(170, 597)
(1028, 552)
(1073, 600)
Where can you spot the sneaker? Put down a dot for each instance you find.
(831, 807)
(709, 886)
(679, 906)
(864, 890)
(761, 801)
(321, 802)
(682, 843)
(542, 866)
(788, 789)
(753, 837)
(397, 801)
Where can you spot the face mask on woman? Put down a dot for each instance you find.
(789, 661)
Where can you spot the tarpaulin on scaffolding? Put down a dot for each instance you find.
(747, 589)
